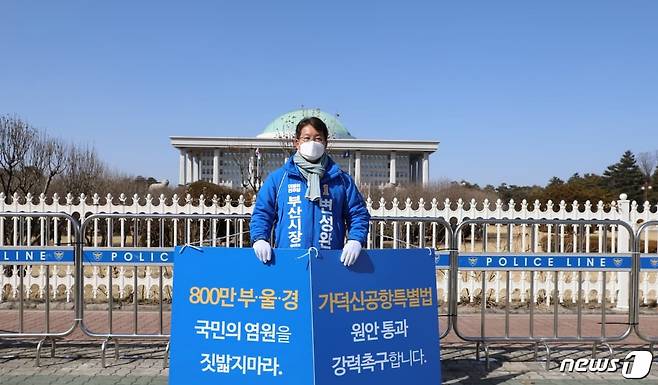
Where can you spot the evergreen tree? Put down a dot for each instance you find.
(625, 176)
(555, 181)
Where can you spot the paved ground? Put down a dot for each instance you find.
(77, 358)
(78, 362)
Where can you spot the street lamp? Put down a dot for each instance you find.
(646, 188)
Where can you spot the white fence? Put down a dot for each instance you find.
(61, 278)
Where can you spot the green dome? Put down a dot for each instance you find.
(284, 125)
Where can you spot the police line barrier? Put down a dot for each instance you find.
(646, 266)
(557, 256)
(38, 247)
(422, 232)
(143, 246)
(142, 243)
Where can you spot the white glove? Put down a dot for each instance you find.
(263, 250)
(351, 252)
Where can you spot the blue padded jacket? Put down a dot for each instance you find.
(299, 222)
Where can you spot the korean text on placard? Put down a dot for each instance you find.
(243, 331)
(266, 299)
(227, 363)
(380, 361)
(373, 300)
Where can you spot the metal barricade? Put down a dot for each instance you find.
(38, 254)
(421, 232)
(128, 258)
(116, 271)
(542, 271)
(646, 273)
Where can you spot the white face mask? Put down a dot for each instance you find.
(311, 150)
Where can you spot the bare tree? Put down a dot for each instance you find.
(248, 166)
(647, 162)
(55, 160)
(31, 162)
(16, 137)
(84, 171)
(31, 173)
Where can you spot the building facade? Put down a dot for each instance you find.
(241, 162)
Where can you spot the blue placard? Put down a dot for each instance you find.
(35, 256)
(377, 321)
(238, 321)
(545, 262)
(649, 262)
(129, 256)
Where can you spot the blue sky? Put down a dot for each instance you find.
(515, 91)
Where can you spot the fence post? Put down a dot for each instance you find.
(623, 246)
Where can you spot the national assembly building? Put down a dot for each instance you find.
(241, 162)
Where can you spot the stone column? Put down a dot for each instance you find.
(252, 170)
(392, 169)
(413, 178)
(188, 167)
(357, 167)
(181, 167)
(195, 168)
(426, 169)
(349, 164)
(417, 169)
(215, 166)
